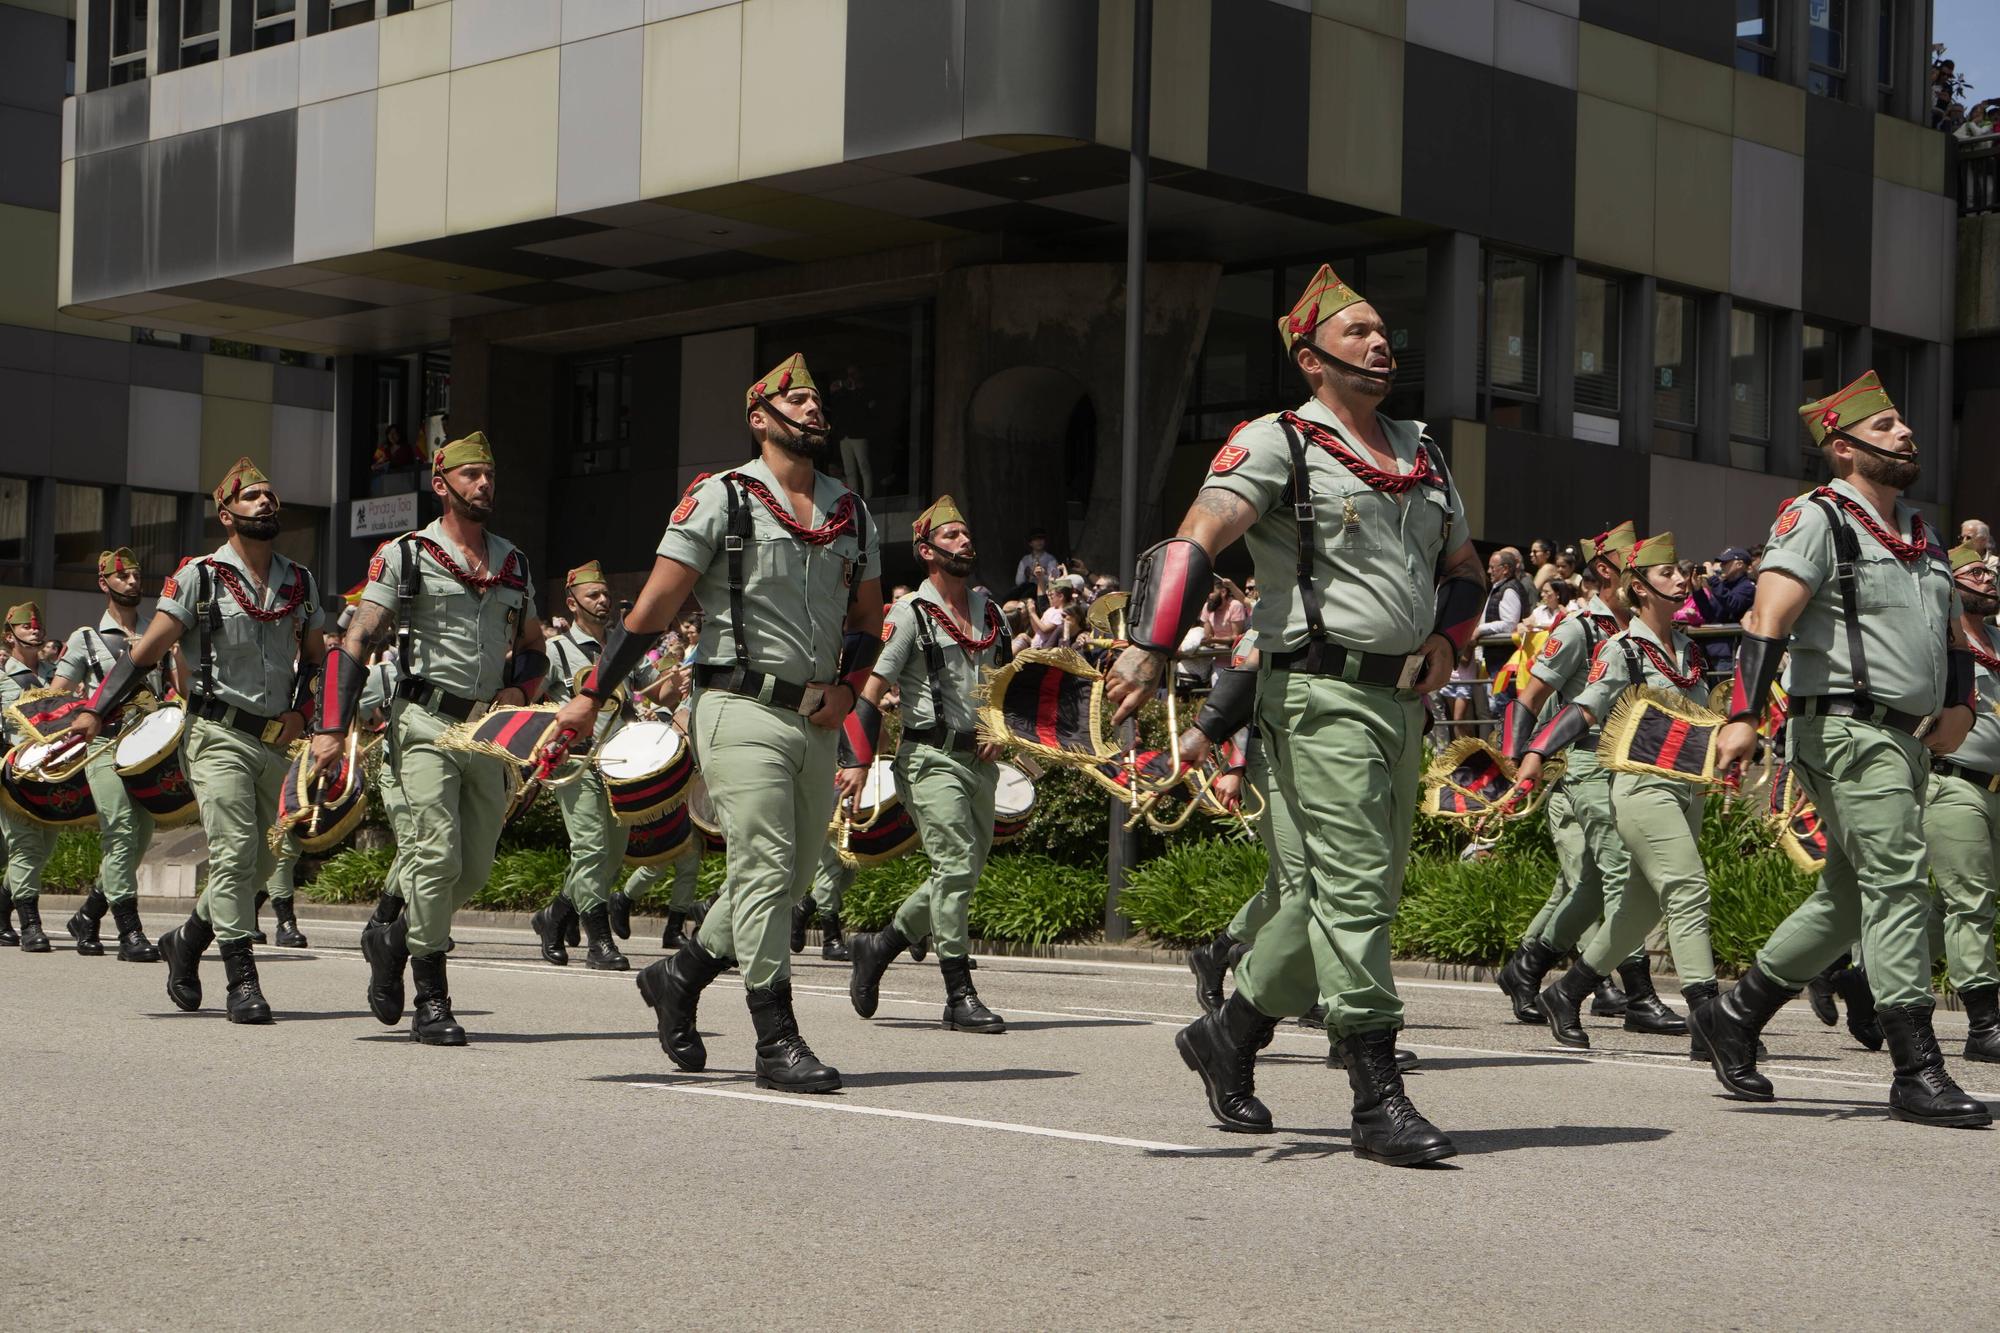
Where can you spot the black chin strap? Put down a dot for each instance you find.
(799, 426)
(1383, 375)
(1867, 448)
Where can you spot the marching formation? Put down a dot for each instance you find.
(809, 731)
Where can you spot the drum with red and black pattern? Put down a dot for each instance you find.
(646, 768)
(891, 830)
(667, 836)
(150, 764)
(44, 781)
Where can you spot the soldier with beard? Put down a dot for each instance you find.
(791, 559)
(124, 827)
(1859, 591)
(463, 603)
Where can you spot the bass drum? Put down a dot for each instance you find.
(667, 836)
(701, 813)
(892, 830)
(150, 764)
(646, 767)
(320, 826)
(60, 796)
(1013, 804)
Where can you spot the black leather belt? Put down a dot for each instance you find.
(943, 738)
(1861, 710)
(210, 709)
(1381, 669)
(1987, 781)
(758, 685)
(438, 699)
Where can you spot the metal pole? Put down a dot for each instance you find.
(1120, 853)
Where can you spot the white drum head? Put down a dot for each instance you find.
(639, 750)
(1013, 794)
(31, 756)
(151, 736)
(879, 787)
(700, 809)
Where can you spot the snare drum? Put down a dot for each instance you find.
(893, 831)
(646, 767)
(339, 811)
(701, 813)
(667, 836)
(59, 797)
(1013, 803)
(149, 762)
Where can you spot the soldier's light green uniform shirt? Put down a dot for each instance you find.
(569, 653)
(1376, 554)
(1904, 609)
(795, 594)
(1981, 747)
(1564, 666)
(255, 660)
(903, 660)
(460, 636)
(16, 679)
(90, 653)
(1611, 675)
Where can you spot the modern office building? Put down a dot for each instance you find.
(1617, 240)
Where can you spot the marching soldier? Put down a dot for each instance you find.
(1371, 588)
(462, 601)
(124, 827)
(831, 880)
(596, 838)
(681, 905)
(256, 620)
(937, 643)
(1962, 821)
(793, 557)
(1657, 819)
(29, 843)
(1859, 591)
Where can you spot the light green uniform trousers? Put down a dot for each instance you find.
(770, 775)
(686, 872)
(951, 798)
(396, 810)
(454, 804)
(1659, 822)
(1962, 825)
(29, 846)
(1867, 782)
(1345, 761)
(596, 841)
(284, 874)
(236, 782)
(1593, 857)
(124, 827)
(830, 881)
(1281, 849)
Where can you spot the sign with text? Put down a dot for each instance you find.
(378, 514)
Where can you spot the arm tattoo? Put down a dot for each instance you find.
(1214, 504)
(369, 631)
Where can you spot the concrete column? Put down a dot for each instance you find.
(1559, 347)
(1635, 365)
(1785, 458)
(1451, 329)
(1711, 436)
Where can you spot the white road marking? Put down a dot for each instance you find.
(802, 1103)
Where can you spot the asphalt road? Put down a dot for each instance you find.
(172, 1171)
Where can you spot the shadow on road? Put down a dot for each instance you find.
(1433, 1064)
(1473, 1142)
(1020, 1025)
(897, 1079)
(532, 1038)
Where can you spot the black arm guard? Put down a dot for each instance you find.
(340, 684)
(1565, 729)
(124, 680)
(1958, 679)
(857, 654)
(1517, 730)
(1229, 705)
(525, 671)
(1756, 671)
(623, 651)
(1459, 602)
(302, 692)
(1172, 580)
(860, 735)
(1253, 749)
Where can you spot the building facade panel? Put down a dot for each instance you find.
(1031, 67)
(260, 83)
(1615, 184)
(165, 436)
(1353, 154)
(334, 212)
(1691, 229)
(92, 443)
(793, 123)
(412, 128)
(598, 121)
(694, 79)
(256, 213)
(1259, 92)
(1536, 41)
(1766, 217)
(905, 75)
(415, 45)
(1447, 140)
(1534, 163)
(483, 30)
(340, 63)
(1462, 28)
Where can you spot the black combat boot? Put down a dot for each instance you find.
(1211, 962)
(1923, 1092)
(182, 947)
(431, 1022)
(1387, 1128)
(1520, 979)
(133, 946)
(675, 933)
(256, 930)
(872, 952)
(964, 1011)
(1562, 1004)
(82, 925)
(552, 924)
(802, 917)
(784, 1062)
(8, 936)
(1644, 1010)
(33, 940)
(386, 948)
(833, 945)
(1608, 1001)
(387, 908)
(1819, 992)
(1727, 1030)
(1313, 1018)
(604, 955)
(289, 934)
(1222, 1047)
(1336, 1057)
(245, 1002)
(1698, 996)
(619, 912)
(672, 987)
(1851, 983)
(1982, 1023)
(918, 948)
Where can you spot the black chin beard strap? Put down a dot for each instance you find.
(466, 506)
(804, 431)
(1876, 450)
(1383, 377)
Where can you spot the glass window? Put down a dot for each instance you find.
(128, 40)
(1887, 51)
(1510, 322)
(874, 373)
(1826, 50)
(1757, 36)
(273, 23)
(13, 529)
(156, 533)
(347, 13)
(1237, 374)
(600, 412)
(1394, 284)
(201, 32)
(1750, 376)
(1597, 340)
(1892, 364)
(1674, 361)
(79, 535)
(1818, 364)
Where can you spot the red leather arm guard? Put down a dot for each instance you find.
(1958, 678)
(1517, 730)
(1756, 671)
(860, 735)
(1459, 602)
(340, 682)
(526, 670)
(623, 651)
(124, 680)
(1565, 729)
(1167, 592)
(857, 656)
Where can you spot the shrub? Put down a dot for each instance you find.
(72, 866)
(523, 880)
(1031, 899)
(1190, 891)
(351, 876)
(1458, 911)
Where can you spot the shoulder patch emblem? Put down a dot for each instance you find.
(1552, 647)
(377, 568)
(1788, 520)
(685, 509)
(888, 629)
(1228, 459)
(1597, 670)
(170, 589)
